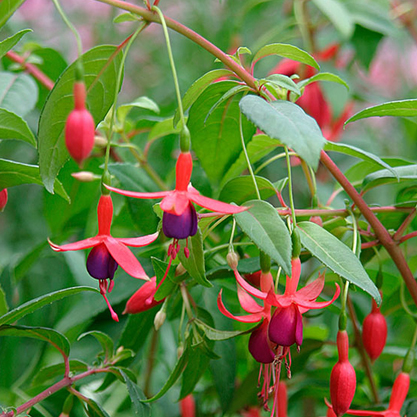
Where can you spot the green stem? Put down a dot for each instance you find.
(232, 234)
(70, 26)
(290, 192)
(171, 61)
(274, 158)
(242, 139)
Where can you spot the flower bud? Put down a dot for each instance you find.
(187, 406)
(3, 199)
(342, 378)
(159, 319)
(143, 299)
(317, 219)
(374, 332)
(232, 260)
(100, 142)
(84, 176)
(79, 127)
(399, 392)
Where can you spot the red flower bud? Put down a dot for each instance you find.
(80, 127)
(187, 406)
(399, 392)
(143, 298)
(374, 332)
(342, 378)
(282, 400)
(3, 199)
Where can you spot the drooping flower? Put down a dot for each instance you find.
(187, 406)
(3, 199)
(109, 252)
(374, 332)
(143, 299)
(79, 127)
(343, 377)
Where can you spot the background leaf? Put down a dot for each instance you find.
(337, 256)
(7, 8)
(137, 396)
(105, 341)
(100, 67)
(288, 123)
(267, 230)
(13, 126)
(338, 14)
(8, 43)
(394, 175)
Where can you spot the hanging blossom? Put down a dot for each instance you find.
(109, 252)
(179, 220)
(270, 343)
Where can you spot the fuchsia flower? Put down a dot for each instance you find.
(269, 343)
(3, 199)
(109, 252)
(143, 299)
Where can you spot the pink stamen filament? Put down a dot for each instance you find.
(103, 290)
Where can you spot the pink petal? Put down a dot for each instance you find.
(138, 242)
(125, 258)
(81, 244)
(312, 290)
(134, 194)
(215, 205)
(176, 202)
(252, 318)
(365, 413)
(247, 302)
(315, 305)
(248, 288)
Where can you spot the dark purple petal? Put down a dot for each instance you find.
(180, 227)
(100, 264)
(259, 346)
(286, 326)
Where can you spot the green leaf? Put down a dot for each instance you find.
(338, 14)
(282, 81)
(358, 153)
(141, 102)
(217, 142)
(18, 92)
(198, 87)
(125, 17)
(15, 173)
(160, 268)
(194, 264)
(214, 334)
(175, 374)
(56, 339)
(48, 373)
(4, 308)
(337, 256)
(7, 8)
(163, 128)
(394, 175)
(10, 42)
(241, 189)
(105, 341)
(94, 409)
(137, 396)
(13, 126)
(268, 231)
(400, 108)
(37, 303)
(259, 146)
(323, 76)
(101, 65)
(365, 42)
(286, 51)
(288, 123)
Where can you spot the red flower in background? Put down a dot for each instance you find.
(143, 299)
(109, 252)
(3, 199)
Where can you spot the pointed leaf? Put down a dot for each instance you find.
(56, 339)
(286, 51)
(217, 142)
(267, 230)
(18, 92)
(394, 175)
(14, 173)
(337, 256)
(94, 409)
(137, 396)
(7, 8)
(194, 264)
(125, 17)
(105, 341)
(141, 102)
(401, 108)
(175, 374)
(198, 87)
(323, 76)
(288, 123)
(214, 334)
(282, 81)
(163, 128)
(358, 153)
(241, 189)
(48, 373)
(10, 42)
(37, 303)
(13, 126)
(101, 65)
